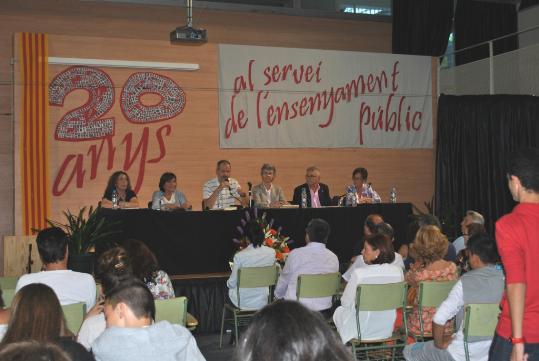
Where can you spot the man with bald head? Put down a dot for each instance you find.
(369, 227)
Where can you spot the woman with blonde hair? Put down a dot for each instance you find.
(428, 250)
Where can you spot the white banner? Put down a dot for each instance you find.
(294, 98)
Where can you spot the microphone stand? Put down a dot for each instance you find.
(250, 185)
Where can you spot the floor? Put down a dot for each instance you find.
(209, 346)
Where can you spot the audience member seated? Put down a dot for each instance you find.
(369, 228)
(285, 330)
(36, 315)
(267, 194)
(386, 230)
(378, 255)
(317, 193)
(471, 217)
(222, 191)
(362, 190)
(145, 267)
(254, 255)
(168, 197)
(4, 317)
(314, 258)
(428, 250)
(33, 350)
(484, 284)
(424, 220)
(462, 257)
(112, 268)
(130, 334)
(119, 185)
(70, 287)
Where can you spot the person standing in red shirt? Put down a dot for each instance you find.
(517, 237)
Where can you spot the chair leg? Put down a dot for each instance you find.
(236, 328)
(222, 327)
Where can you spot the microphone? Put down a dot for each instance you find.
(250, 185)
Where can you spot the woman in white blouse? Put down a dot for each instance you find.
(378, 254)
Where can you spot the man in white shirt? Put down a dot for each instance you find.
(314, 258)
(469, 218)
(484, 284)
(130, 334)
(222, 192)
(380, 228)
(70, 287)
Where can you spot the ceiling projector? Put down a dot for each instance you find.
(188, 34)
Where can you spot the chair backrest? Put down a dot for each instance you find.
(320, 285)
(8, 283)
(432, 293)
(173, 310)
(252, 277)
(480, 319)
(7, 296)
(381, 297)
(74, 315)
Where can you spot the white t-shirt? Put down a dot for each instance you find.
(359, 263)
(91, 329)
(70, 287)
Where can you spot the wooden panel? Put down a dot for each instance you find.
(16, 255)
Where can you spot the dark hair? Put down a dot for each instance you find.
(524, 164)
(483, 246)
(33, 350)
(385, 229)
(52, 244)
(267, 166)
(165, 177)
(254, 232)
(318, 230)
(383, 244)
(287, 330)
(142, 260)
(136, 296)
(369, 223)
(221, 162)
(364, 173)
(428, 220)
(36, 314)
(111, 184)
(112, 268)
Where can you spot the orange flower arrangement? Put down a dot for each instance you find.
(273, 237)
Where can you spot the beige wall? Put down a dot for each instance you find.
(135, 32)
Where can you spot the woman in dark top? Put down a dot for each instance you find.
(120, 184)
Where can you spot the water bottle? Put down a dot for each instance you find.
(115, 199)
(351, 199)
(161, 202)
(303, 198)
(393, 195)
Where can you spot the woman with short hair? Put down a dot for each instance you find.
(267, 194)
(428, 250)
(378, 254)
(168, 197)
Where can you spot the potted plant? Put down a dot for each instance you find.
(85, 230)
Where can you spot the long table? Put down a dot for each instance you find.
(201, 241)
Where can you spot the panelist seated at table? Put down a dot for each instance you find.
(267, 194)
(317, 193)
(223, 191)
(168, 197)
(119, 190)
(363, 190)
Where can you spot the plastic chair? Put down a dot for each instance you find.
(8, 282)
(480, 320)
(248, 277)
(431, 294)
(318, 285)
(173, 310)
(380, 297)
(74, 315)
(7, 296)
